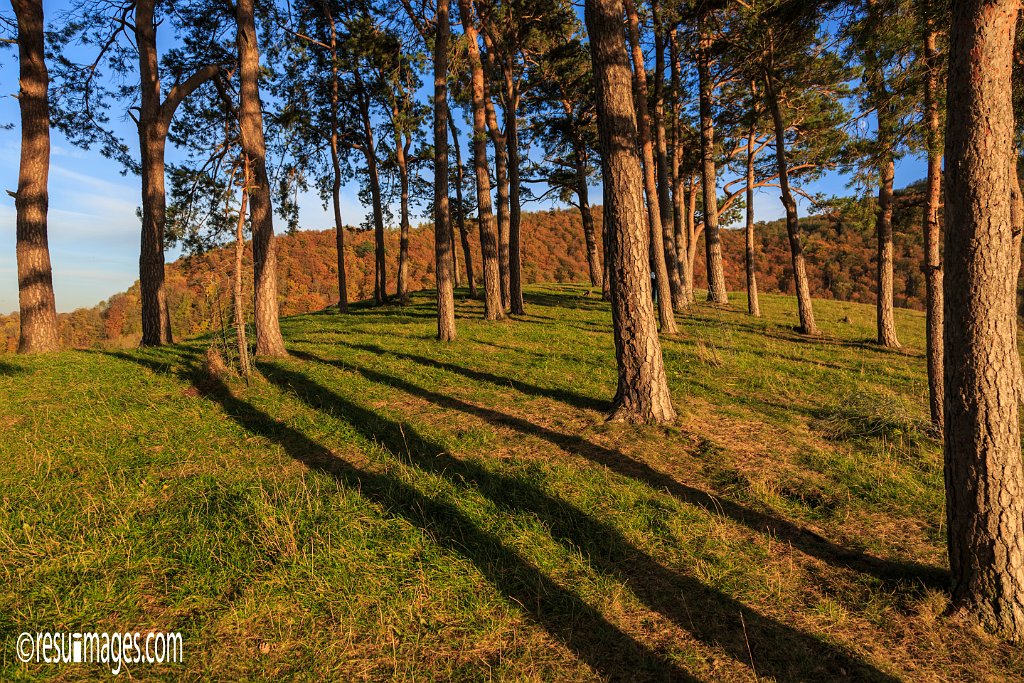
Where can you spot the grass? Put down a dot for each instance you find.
(382, 506)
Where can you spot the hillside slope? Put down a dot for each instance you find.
(839, 247)
(381, 506)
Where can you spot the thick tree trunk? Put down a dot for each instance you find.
(661, 155)
(156, 319)
(666, 315)
(709, 174)
(932, 265)
(38, 311)
(467, 254)
(442, 216)
(642, 393)
(753, 305)
(883, 232)
(983, 466)
(269, 341)
(501, 179)
(493, 308)
(239, 296)
(803, 291)
(515, 219)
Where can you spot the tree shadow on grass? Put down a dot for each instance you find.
(602, 645)
(887, 571)
(716, 619)
(563, 395)
(9, 370)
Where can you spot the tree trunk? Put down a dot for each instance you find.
(442, 217)
(339, 226)
(883, 231)
(753, 305)
(692, 235)
(369, 148)
(269, 341)
(467, 254)
(983, 466)
(932, 265)
(401, 148)
(606, 279)
(243, 343)
(661, 155)
(666, 315)
(678, 190)
(515, 252)
(803, 291)
(587, 216)
(642, 394)
(501, 177)
(38, 311)
(156, 319)
(709, 174)
(493, 309)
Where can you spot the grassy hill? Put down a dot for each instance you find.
(380, 506)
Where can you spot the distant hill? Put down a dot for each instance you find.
(839, 245)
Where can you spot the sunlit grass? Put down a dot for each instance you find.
(382, 506)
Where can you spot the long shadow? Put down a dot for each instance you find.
(607, 649)
(810, 543)
(563, 395)
(566, 300)
(8, 370)
(770, 647)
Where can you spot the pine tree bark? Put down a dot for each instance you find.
(467, 254)
(661, 156)
(883, 231)
(932, 265)
(803, 291)
(38, 310)
(515, 219)
(156, 319)
(666, 314)
(442, 216)
(880, 101)
(587, 217)
(984, 472)
(709, 174)
(269, 342)
(642, 394)
(501, 180)
(239, 296)
(401, 151)
(753, 304)
(368, 145)
(493, 308)
(339, 226)
(678, 189)
(154, 122)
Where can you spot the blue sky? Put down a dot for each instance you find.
(94, 231)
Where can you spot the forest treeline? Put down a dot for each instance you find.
(839, 245)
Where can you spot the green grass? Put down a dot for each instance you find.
(383, 506)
